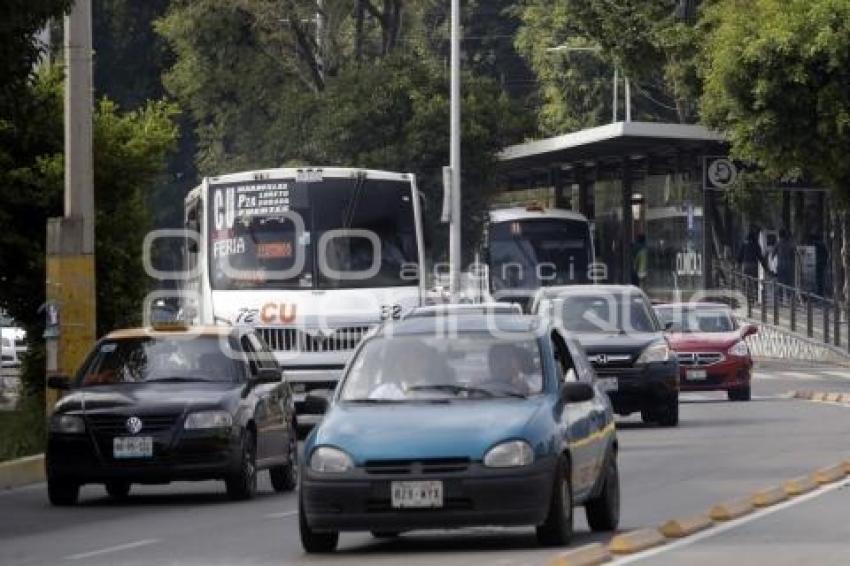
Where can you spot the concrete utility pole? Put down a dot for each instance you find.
(455, 256)
(70, 239)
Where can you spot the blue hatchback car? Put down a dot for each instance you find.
(468, 420)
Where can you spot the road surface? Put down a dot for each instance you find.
(720, 451)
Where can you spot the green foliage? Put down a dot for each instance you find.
(23, 431)
(130, 153)
(381, 102)
(653, 42)
(776, 81)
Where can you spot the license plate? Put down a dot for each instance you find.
(132, 447)
(696, 375)
(608, 383)
(417, 494)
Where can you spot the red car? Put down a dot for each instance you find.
(711, 346)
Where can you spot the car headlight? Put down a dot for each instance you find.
(657, 352)
(512, 454)
(739, 349)
(328, 460)
(208, 419)
(67, 424)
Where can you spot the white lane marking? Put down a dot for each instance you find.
(111, 549)
(281, 515)
(723, 527)
(836, 373)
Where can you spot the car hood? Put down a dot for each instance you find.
(458, 429)
(167, 397)
(697, 341)
(617, 343)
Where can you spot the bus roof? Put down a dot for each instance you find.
(530, 213)
(290, 172)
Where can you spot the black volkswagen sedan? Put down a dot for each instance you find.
(624, 341)
(172, 404)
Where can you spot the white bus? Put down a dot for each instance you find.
(312, 258)
(532, 247)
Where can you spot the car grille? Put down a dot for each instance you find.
(116, 425)
(402, 467)
(298, 340)
(699, 359)
(604, 360)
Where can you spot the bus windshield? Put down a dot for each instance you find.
(335, 233)
(529, 254)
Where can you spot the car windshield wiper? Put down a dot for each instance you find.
(451, 388)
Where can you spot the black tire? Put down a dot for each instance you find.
(648, 416)
(313, 542)
(118, 489)
(285, 478)
(557, 529)
(62, 493)
(740, 393)
(385, 534)
(668, 413)
(603, 511)
(242, 485)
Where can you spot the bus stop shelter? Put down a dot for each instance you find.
(629, 178)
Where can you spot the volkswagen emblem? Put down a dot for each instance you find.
(134, 425)
(602, 359)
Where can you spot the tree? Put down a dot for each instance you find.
(776, 76)
(130, 151)
(382, 100)
(653, 42)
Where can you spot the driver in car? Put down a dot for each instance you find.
(508, 366)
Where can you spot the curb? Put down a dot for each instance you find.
(768, 497)
(587, 555)
(24, 471)
(730, 510)
(799, 486)
(678, 528)
(830, 474)
(636, 541)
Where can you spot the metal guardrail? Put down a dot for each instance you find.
(817, 318)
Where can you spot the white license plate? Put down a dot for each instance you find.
(132, 447)
(696, 375)
(417, 494)
(608, 383)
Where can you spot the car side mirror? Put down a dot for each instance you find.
(750, 330)
(268, 375)
(317, 401)
(59, 382)
(670, 326)
(576, 392)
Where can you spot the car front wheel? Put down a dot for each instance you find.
(62, 492)
(243, 484)
(285, 478)
(312, 541)
(557, 529)
(603, 511)
(740, 393)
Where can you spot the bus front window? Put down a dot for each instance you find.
(529, 254)
(330, 234)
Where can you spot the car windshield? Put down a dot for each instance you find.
(697, 320)
(148, 359)
(622, 313)
(529, 254)
(469, 366)
(329, 234)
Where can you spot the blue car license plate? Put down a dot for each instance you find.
(417, 494)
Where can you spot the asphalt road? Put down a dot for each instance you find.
(721, 450)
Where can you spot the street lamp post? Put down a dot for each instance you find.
(455, 152)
